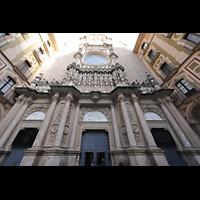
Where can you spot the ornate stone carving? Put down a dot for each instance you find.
(122, 128)
(35, 107)
(67, 128)
(152, 108)
(133, 121)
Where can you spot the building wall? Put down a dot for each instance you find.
(184, 58)
(15, 49)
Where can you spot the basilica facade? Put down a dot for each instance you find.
(96, 112)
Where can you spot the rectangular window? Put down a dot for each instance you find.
(166, 69)
(185, 88)
(6, 84)
(3, 34)
(193, 37)
(152, 54)
(23, 67)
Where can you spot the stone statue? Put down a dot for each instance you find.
(44, 88)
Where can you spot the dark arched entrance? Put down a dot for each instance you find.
(165, 141)
(23, 141)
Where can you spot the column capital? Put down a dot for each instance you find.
(55, 97)
(112, 105)
(134, 97)
(19, 99)
(169, 100)
(160, 102)
(69, 97)
(78, 104)
(28, 101)
(121, 97)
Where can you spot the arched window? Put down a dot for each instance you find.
(38, 115)
(6, 84)
(95, 116)
(152, 116)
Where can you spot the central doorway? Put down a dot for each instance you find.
(94, 148)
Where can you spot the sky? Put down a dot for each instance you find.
(117, 38)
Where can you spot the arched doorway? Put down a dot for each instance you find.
(23, 141)
(94, 148)
(165, 141)
(95, 142)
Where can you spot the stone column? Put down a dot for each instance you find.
(158, 154)
(12, 112)
(129, 130)
(15, 121)
(74, 127)
(115, 127)
(182, 122)
(175, 126)
(143, 122)
(61, 127)
(43, 129)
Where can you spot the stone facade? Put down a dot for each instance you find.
(96, 97)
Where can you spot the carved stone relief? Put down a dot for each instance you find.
(152, 108)
(104, 110)
(35, 107)
(134, 123)
(67, 128)
(121, 127)
(54, 126)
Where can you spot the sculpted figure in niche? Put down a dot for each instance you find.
(84, 78)
(80, 77)
(106, 79)
(69, 74)
(90, 78)
(121, 75)
(96, 79)
(44, 88)
(76, 75)
(110, 79)
(115, 77)
(101, 79)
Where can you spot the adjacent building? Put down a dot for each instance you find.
(21, 55)
(174, 61)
